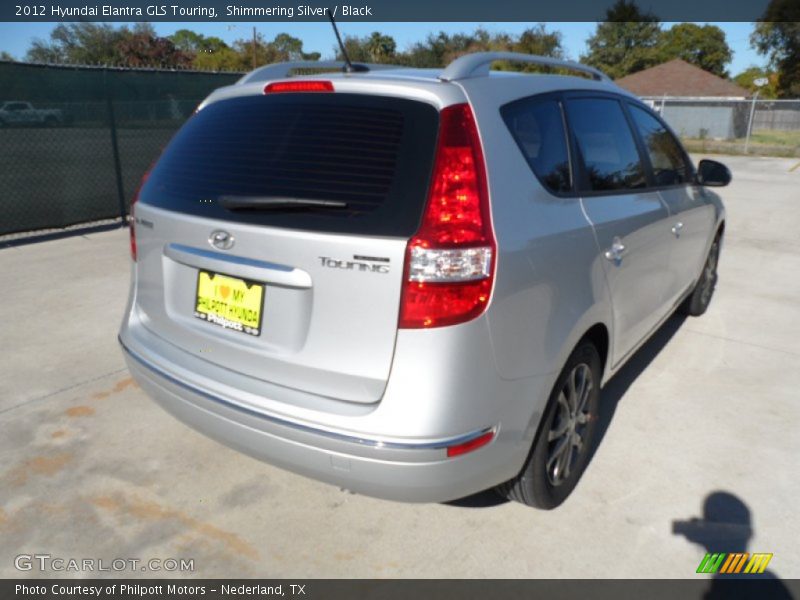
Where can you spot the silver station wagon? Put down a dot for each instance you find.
(409, 283)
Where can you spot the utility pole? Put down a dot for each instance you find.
(254, 47)
(759, 83)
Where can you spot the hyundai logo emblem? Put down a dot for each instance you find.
(221, 239)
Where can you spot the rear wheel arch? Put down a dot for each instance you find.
(720, 230)
(599, 336)
(558, 431)
(594, 326)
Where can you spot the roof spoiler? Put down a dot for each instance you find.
(477, 65)
(286, 69)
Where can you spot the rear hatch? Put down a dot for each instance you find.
(271, 236)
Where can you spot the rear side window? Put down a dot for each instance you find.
(538, 128)
(372, 153)
(606, 145)
(666, 157)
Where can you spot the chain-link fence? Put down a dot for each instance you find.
(75, 141)
(750, 126)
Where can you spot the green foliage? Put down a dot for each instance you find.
(221, 59)
(374, 48)
(439, 49)
(704, 46)
(78, 43)
(537, 40)
(747, 78)
(287, 48)
(5, 56)
(777, 36)
(282, 48)
(381, 48)
(187, 40)
(207, 53)
(102, 44)
(140, 46)
(630, 41)
(626, 42)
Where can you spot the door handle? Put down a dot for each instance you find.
(616, 251)
(676, 229)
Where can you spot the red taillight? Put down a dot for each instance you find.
(278, 87)
(471, 445)
(131, 217)
(450, 260)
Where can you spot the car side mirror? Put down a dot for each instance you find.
(713, 173)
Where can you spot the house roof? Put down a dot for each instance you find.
(679, 78)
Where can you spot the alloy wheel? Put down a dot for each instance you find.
(709, 274)
(567, 435)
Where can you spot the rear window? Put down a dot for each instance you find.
(373, 153)
(537, 126)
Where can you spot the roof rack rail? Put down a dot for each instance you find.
(478, 65)
(284, 69)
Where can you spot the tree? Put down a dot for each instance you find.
(5, 56)
(188, 41)
(626, 42)
(381, 48)
(141, 47)
(282, 48)
(534, 40)
(376, 48)
(208, 53)
(100, 43)
(288, 48)
(747, 78)
(440, 49)
(777, 35)
(78, 43)
(222, 59)
(537, 40)
(245, 48)
(703, 46)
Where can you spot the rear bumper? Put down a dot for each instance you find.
(411, 471)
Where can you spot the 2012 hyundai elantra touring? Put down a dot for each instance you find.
(414, 283)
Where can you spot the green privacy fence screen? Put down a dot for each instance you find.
(75, 141)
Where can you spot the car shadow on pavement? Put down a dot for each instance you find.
(484, 499)
(609, 398)
(726, 527)
(616, 388)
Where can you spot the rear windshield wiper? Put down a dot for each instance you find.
(273, 203)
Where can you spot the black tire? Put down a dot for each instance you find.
(697, 302)
(543, 482)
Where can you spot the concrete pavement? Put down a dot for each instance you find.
(91, 468)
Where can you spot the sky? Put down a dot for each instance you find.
(15, 38)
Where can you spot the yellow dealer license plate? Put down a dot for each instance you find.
(229, 302)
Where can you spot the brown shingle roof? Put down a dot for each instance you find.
(679, 78)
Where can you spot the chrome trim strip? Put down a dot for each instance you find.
(174, 250)
(373, 443)
(248, 268)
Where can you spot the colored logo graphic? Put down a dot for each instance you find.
(733, 563)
